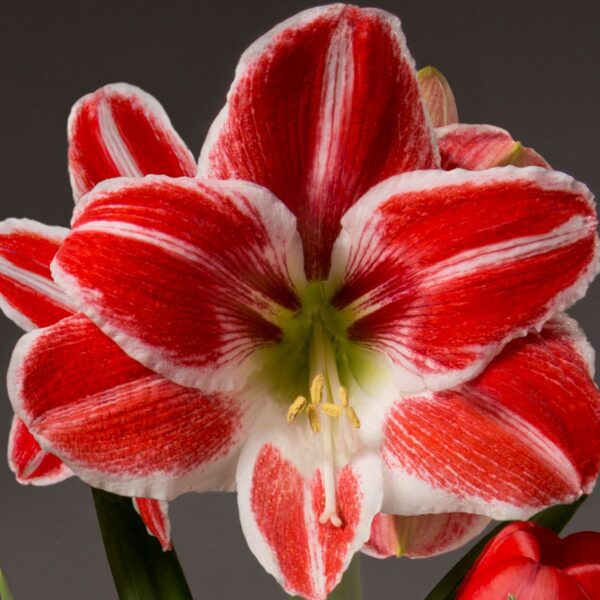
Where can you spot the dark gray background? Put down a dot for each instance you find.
(531, 67)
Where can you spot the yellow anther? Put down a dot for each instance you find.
(333, 410)
(313, 419)
(298, 407)
(316, 389)
(351, 413)
(343, 394)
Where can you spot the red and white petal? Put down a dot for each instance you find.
(116, 424)
(323, 107)
(29, 462)
(440, 269)
(120, 130)
(421, 536)
(155, 515)
(188, 276)
(28, 296)
(522, 436)
(477, 147)
(281, 496)
(438, 97)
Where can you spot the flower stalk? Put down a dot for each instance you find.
(140, 569)
(5, 593)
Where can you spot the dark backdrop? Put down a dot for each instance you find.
(531, 67)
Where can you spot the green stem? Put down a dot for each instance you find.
(349, 588)
(554, 518)
(140, 569)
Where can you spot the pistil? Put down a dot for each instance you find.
(329, 413)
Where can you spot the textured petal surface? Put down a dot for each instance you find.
(477, 147)
(120, 130)
(323, 107)
(155, 514)
(29, 462)
(281, 496)
(28, 295)
(523, 435)
(190, 276)
(438, 97)
(422, 535)
(440, 270)
(116, 424)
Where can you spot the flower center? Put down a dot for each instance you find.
(329, 413)
(320, 375)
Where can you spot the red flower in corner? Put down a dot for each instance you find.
(526, 561)
(323, 318)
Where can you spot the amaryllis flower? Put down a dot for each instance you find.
(322, 318)
(528, 561)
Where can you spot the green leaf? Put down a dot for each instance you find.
(5, 593)
(557, 517)
(140, 569)
(349, 588)
(554, 518)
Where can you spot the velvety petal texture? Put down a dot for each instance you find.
(477, 147)
(522, 436)
(439, 270)
(120, 130)
(118, 425)
(190, 276)
(27, 460)
(155, 515)
(28, 296)
(281, 497)
(421, 536)
(322, 108)
(437, 96)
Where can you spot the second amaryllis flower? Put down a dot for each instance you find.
(526, 561)
(322, 319)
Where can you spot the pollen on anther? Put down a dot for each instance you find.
(316, 389)
(297, 408)
(353, 417)
(343, 395)
(333, 410)
(313, 419)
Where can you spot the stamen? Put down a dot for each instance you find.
(297, 408)
(351, 413)
(316, 389)
(333, 410)
(343, 394)
(313, 418)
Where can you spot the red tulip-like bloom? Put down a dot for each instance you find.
(529, 562)
(369, 347)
